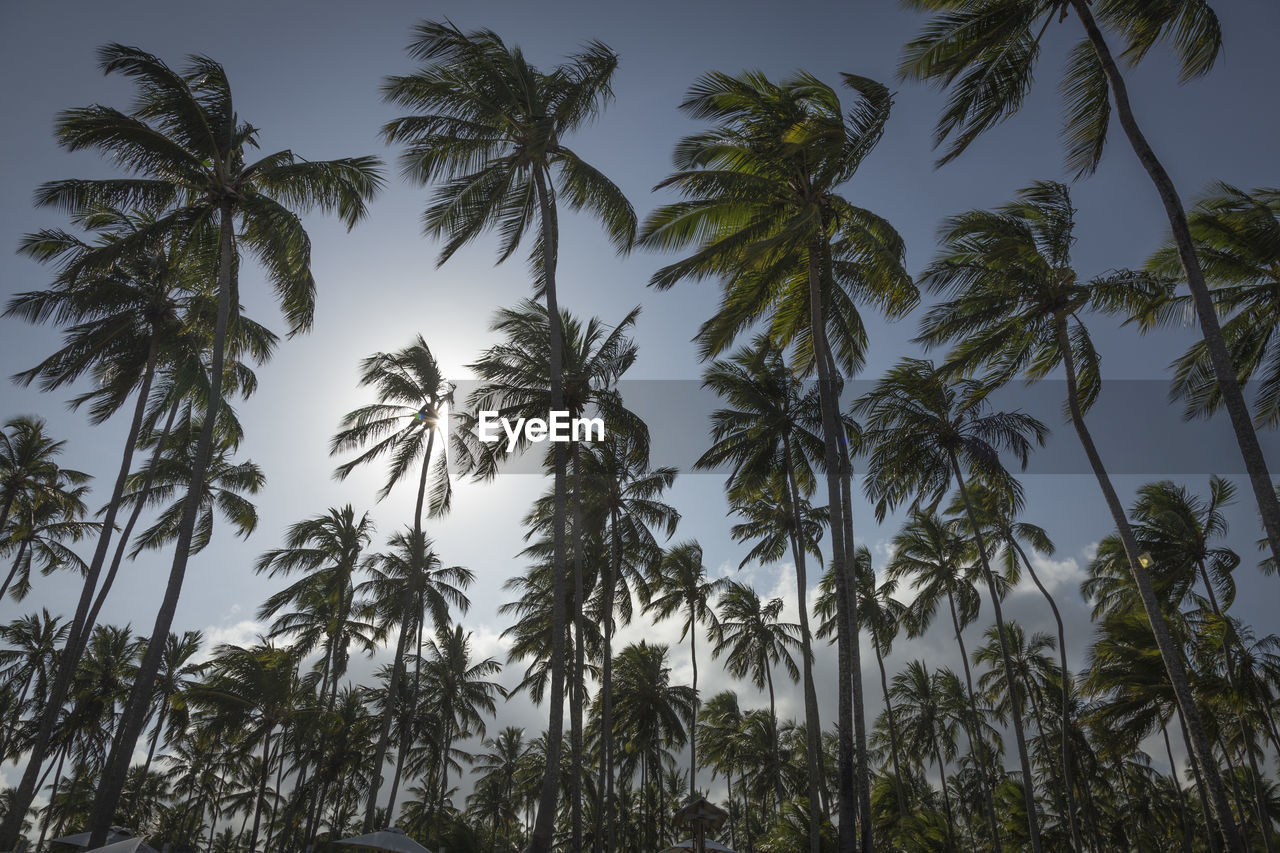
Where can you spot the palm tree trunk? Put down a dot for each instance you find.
(1015, 702)
(134, 716)
(854, 803)
(693, 722)
(127, 533)
(975, 745)
(773, 730)
(609, 589)
(262, 790)
(544, 825)
(813, 724)
(1206, 810)
(1068, 782)
(1223, 368)
(155, 736)
(1177, 787)
(22, 550)
(78, 634)
(1169, 650)
(946, 797)
(893, 730)
(577, 697)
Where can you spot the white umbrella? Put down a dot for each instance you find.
(133, 845)
(81, 839)
(392, 840)
(687, 844)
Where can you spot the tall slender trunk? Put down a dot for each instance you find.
(397, 668)
(118, 557)
(773, 731)
(262, 790)
(78, 633)
(893, 729)
(693, 723)
(1169, 650)
(1177, 787)
(1011, 679)
(609, 589)
(852, 767)
(946, 797)
(544, 825)
(578, 696)
(1223, 368)
(1068, 783)
(976, 745)
(813, 724)
(155, 736)
(1206, 811)
(22, 551)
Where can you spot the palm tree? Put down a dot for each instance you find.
(177, 675)
(499, 767)
(996, 512)
(413, 399)
(27, 664)
(680, 583)
(763, 210)
(938, 562)
(1014, 308)
(928, 730)
(42, 521)
(919, 427)
(752, 640)
(1236, 235)
(409, 584)
(186, 147)
(720, 720)
(253, 692)
(491, 127)
(986, 55)
(459, 696)
(883, 614)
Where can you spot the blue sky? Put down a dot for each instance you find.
(308, 74)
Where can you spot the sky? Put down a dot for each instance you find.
(308, 75)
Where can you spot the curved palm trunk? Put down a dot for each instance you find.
(1223, 368)
(854, 802)
(78, 634)
(693, 723)
(544, 824)
(1177, 787)
(975, 744)
(813, 725)
(125, 534)
(17, 563)
(1068, 783)
(1169, 651)
(893, 730)
(1015, 701)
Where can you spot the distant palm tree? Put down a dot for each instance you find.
(928, 730)
(985, 54)
(492, 128)
(749, 636)
(919, 427)
(43, 520)
(680, 584)
(1015, 308)
(28, 465)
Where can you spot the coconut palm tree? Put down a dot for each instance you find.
(491, 128)
(762, 209)
(185, 148)
(996, 512)
(928, 729)
(749, 636)
(680, 584)
(43, 521)
(883, 614)
(1237, 238)
(1014, 308)
(919, 427)
(985, 55)
(29, 470)
(178, 672)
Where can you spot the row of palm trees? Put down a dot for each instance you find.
(150, 310)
